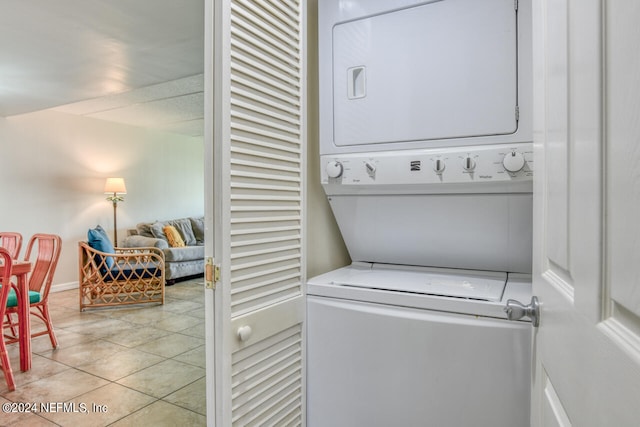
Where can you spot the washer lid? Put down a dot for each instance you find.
(468, 284)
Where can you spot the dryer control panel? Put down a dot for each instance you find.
(491, 168)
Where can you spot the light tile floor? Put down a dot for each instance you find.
(129, 366)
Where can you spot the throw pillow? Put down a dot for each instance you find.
(157, 229)
(144, 229)
(174, 238)
(197, 225)
(184, 228)
(98, 240)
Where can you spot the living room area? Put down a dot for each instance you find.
(54, 171)
(67, 123)
(56, 165)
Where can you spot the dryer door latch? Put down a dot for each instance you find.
(516, 310)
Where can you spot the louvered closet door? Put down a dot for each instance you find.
(258, 200)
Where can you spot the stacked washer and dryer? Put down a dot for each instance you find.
(426, 160)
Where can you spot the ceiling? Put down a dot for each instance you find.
(137, 62)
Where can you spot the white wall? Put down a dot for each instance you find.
(325, 248)
(53, 168)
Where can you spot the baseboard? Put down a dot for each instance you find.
(64, 286)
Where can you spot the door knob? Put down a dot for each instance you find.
(516, 310)
(244, 332)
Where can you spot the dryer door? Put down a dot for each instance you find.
(439, 70)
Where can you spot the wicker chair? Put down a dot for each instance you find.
(12, 242)
(127, 276)
(47, 252)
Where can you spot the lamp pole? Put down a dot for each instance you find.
(116, 189)
(115, 199)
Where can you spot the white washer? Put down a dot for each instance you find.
(414, 332)
(385, 350)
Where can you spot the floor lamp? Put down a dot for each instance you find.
(116, 190)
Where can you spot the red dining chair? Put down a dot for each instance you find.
(44, 267)
(5, 280)
(12, 242)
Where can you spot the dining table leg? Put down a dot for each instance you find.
(24, 323)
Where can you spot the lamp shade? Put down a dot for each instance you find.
(115, 185)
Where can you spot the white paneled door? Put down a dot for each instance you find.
(256, 90)
(587, 212)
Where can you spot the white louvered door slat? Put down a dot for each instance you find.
(259, 155)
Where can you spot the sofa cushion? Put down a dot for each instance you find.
(158, 232)
(188, 253)
(98, 240)
(136, 241)
(197, 225)
(174, 238)
(183, 226)
(144, 229)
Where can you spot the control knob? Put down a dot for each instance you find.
(438, 166)
(468, 164)
(513, 162)
(370, 167)
(334, 169)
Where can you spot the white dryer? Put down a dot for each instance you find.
(427, 163)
